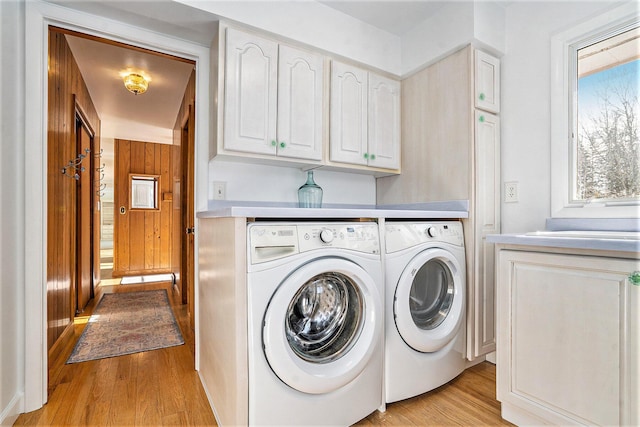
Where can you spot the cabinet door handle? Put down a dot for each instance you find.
(282, 144)
(372, 157)
(481, 119)
(273, 143)
(366, 155)
(481, 96)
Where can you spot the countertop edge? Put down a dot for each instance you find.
(396, 212)
(627, 246)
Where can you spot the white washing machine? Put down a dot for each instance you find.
(315, 323)
(424, 306)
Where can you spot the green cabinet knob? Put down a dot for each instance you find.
(273, 143)
(366, 155)
(372, 157)
(481, 119)
(282, 145)
(481, 96)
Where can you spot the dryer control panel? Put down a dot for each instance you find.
(269, 241)
(403, 235)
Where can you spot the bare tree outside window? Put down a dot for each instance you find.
(607, 158)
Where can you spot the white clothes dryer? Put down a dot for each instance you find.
(425, 306)
(315, 324)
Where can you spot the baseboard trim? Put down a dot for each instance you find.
(10, 414)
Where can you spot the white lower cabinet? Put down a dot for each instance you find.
(568, 339)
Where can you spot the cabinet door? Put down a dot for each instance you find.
(300, 81)
(568, 339)
(384, 122)
(482, 337)
(487, 82)
(348, 128)
(250, 100)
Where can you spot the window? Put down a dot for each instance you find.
(595, 151)
(144, 191)
(606, 158)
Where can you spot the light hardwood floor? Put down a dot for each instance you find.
(161, 387)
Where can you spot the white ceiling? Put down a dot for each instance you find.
(101, 64)
(395, 17)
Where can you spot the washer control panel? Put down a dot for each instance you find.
(269, 241)
(403, 235)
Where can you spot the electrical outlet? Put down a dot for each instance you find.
(219, 190)
(510, 192)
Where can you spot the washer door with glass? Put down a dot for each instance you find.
(322, 325)
(429, 300)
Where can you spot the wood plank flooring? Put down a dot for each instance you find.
(161, 387)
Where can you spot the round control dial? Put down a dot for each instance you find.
(326, 236)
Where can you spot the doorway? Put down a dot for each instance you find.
(40, 15)
(75, 208)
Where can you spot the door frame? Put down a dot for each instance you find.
(38, 16)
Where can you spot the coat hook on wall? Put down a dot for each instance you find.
(75, 164)
(100, 186)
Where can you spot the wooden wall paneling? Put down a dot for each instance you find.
(166, 212)
(64, 81)
(143, 238)
(136, 218)
(121, 221)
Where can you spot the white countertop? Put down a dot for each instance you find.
(574, 239)
(434, 210)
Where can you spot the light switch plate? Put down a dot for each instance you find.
(219, 190)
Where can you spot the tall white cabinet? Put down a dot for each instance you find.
(451, 151)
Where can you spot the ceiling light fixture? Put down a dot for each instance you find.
(136, 83)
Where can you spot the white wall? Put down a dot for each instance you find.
(453, 26)
(263, 183)
(12, 262)
(314, 24)
(525, 110)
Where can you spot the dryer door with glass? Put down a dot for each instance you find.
(322, 324)
(429, 300)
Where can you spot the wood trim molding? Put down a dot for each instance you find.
(119, 44)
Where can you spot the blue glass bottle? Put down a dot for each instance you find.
(310, 194)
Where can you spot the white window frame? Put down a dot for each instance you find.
(563, 93)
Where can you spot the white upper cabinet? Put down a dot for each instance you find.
(365, 118)
(349, 101)
(384, 122)
(487, 82)
(300, 98)
(250, 93)
(273, 98)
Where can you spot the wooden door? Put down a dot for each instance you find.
(84, 219)
(250, 93)
(142, 236)
(348, 125)
(300, 83)
(187, 274)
